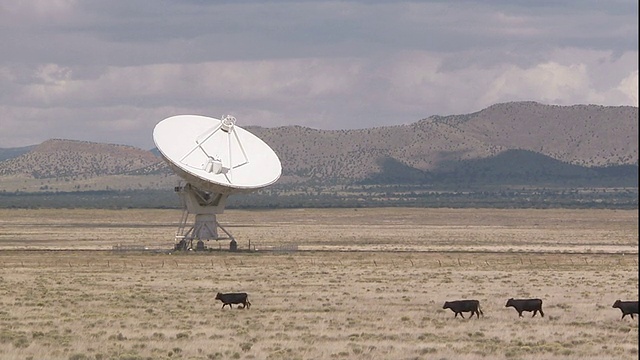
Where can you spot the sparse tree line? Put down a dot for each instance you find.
(349, 196)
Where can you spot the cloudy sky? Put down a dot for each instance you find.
(108, 71)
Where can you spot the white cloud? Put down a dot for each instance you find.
(108, 71)
(41, 9)
(548, 82)
(629, 88)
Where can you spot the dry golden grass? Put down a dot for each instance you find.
(320, 303)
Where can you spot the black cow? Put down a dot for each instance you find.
(234, 298)
(627, 307)
(521, 305)
(460, 306)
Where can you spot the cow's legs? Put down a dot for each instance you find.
(541, 313)
(520, 313)
(534, 313)
(461, 315)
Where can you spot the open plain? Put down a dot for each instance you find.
(323, 283)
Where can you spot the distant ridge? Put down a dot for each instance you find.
(9, 153)
(585, 135)
(67, 158)
(589, 135)
(511, 167)
(512, 143)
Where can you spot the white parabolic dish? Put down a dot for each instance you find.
(216, 155)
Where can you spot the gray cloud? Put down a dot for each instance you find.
(109, 71)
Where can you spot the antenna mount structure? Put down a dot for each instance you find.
(215, 159)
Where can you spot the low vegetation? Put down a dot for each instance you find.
(343, 196)
(365, 283)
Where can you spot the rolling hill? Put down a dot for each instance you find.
(583, 135)
(519, 143)
(8, 153)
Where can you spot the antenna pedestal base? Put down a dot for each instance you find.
(205, 227)
(205, 206)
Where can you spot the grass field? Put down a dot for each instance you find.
(365, 284)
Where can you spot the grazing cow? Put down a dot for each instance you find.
(460, 306)
(627, 307)
(234, 298)
(521, 305)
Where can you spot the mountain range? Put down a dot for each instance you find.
(514, 144)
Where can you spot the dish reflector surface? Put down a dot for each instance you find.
(216, 155)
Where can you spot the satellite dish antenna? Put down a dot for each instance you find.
(216, 158)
